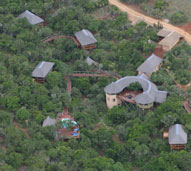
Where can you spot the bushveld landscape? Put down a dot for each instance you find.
(35, 134)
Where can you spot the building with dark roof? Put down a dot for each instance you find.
(85, 39)
(42, 70)
(151, 64)
(144, 100)
(32, 18)
(177, 137)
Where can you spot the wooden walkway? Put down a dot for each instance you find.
(94, 74)
(69, 85)
(187, 107)
(57, 36)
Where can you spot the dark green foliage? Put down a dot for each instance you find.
(134, 1)
(135, 86)
(178, 160)
(120, 139)
(177, 61)
(117, 115)
(160, 4)
(178, 18)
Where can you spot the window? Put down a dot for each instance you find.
(108, 99)
(113, 100)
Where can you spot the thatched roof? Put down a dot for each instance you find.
(163, 33)
(49, 122)
(150, 91)
(150, 64)
(42, 69)
(171, 39)
(32, 18)
(85, 37)
(177, 135)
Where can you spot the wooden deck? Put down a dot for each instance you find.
(89, 47)
(66, 133)
(128, 96)
(177, 146)
(38, 80)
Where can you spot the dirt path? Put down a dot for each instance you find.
(134, 15)
(25, 130)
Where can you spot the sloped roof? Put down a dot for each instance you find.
(160, 96)
(32, 18)
(90, 61)
(163, 33)
(85, 37)
(150, 64)
(177, 135)
(42, 69)
(142, 75)
(49, 122)
(150, 91)
(171, 39)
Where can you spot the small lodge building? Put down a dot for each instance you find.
(91, 62)
(168, 39)
(177, 137)
(152, 64)
(116, 92)
(49, 122)
(32, 18)
(85, 39)
(41, 71)
(67, 127)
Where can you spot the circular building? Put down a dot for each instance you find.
(144, 100)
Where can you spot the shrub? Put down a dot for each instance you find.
(178, 18)
(134, 1)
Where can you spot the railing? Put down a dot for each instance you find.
(95, 74)
(55, 36)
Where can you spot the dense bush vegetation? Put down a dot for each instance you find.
(134, 1)
(120, 139)
(178, 18)
(177, 61)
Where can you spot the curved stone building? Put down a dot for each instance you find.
(144, 100)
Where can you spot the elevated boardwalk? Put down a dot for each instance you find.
(187, 107)
(69, 85)
(94, 74)
(58, 36)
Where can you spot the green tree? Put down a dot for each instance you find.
(178, 18)
(23, 114)
(15, 159)
(117, 115)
